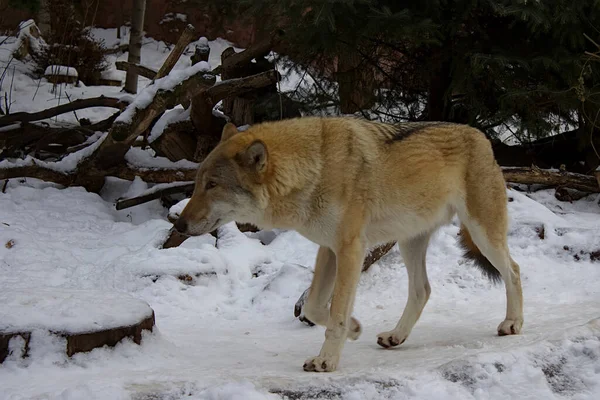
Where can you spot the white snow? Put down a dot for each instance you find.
(60, 70)
(25, 33)
(68, 310)
(175, 115)
(159, 186)
(141, 158)
(230, 332)
(67, 164)
(168, 17)
(176, 209)
(168, 83)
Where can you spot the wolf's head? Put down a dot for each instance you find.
(229, 185)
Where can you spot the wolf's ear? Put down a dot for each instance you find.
(228, 131)
(255, 156)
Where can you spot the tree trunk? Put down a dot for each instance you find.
(356, 83)
(589, 134)
(135, 44)
(438, 103)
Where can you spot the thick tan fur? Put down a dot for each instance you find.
(349, 184)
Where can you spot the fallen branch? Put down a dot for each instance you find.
(163, 99)
(119, 49)
(37, 172)
(376, 253)
(258, 49)
(140, 70)
(64, 108)
(123, 172)
(153, 194)
(174, 239)
(153, 175)
(237, 86)
(372, 256)
(186, 37)
(537, 176)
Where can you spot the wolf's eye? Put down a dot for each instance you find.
(210, 185)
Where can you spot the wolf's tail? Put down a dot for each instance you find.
(472, 252)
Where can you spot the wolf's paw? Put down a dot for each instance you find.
(321, 364)
(390, 339)
(355, 329)
(510, 327)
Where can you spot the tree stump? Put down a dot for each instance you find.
(85, 319)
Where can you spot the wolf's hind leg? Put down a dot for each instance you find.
(491, 242)
(413, 252)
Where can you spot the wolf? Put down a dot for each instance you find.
(348, 184)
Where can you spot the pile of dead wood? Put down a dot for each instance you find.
(20, 136)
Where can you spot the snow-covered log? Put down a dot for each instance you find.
(136, 68)
(156, 192)
(538, 176)
(82, 319)
(79, 104)
(186, 37)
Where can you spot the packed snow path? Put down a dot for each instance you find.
(232, 331)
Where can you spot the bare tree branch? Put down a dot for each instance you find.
(258, 49)
(238, 86)
(154, 194)
(185, 39)
(38, 172)
(64, 108)
(137, 68)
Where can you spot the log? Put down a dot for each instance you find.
(238, 86)
(534, 175)
(186, 37)
(136, 68)
(177, 142)
(174, 239)
(372, 256)
(202, 51)
(78, 343)
(21, 140)
(242, 58)
(101, 101)
(122, 171)
(152, 175)
(89, 323)
(376, 253)
(155, 194)
(207, 125)
(38, 172)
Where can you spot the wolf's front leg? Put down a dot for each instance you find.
(350, 254)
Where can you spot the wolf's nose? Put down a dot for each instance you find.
(181, 225)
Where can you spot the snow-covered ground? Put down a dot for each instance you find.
(230, 333)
